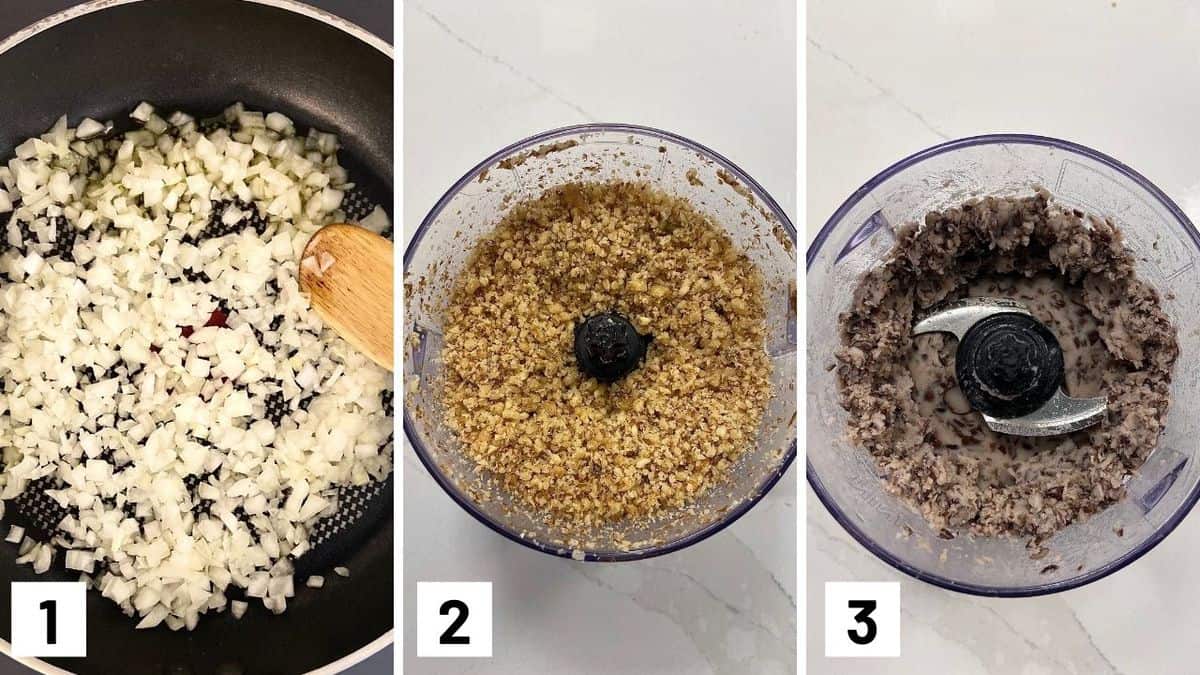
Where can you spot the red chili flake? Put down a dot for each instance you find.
(217, 318)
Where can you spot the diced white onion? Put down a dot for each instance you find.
(156, 429)
(90, 128)
(142, 112)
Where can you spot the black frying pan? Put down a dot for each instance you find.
(199, 56)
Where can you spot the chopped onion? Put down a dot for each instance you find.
(154, 617)
(376, 221)
(90, 128)
(278, 123)
(257, 588)
(45, 555)
(197, 441)
(80, 561)
(142, 112)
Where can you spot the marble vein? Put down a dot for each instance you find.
(838, 548)
(886, 92)
(539, 85)
(774, 579)
(937, 630)
(1091, 641)
(1033, 646)
(723, 602)
(730, 607)
(699, 644)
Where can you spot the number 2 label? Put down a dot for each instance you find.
(448, 637)
(454, 619)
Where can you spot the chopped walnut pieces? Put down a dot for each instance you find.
(580, 452)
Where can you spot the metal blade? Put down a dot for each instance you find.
(958, 317)
(1060, 415)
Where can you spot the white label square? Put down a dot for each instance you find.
(862, 618)
(454, 618)
(49, 618)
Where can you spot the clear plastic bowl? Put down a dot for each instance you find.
(855, 239)
(598, 152)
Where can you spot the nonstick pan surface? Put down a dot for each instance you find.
(199, 56)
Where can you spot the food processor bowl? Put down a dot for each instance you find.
(474, 206)
(857, 237)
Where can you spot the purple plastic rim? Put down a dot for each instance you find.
(410, 429)
(813, 480)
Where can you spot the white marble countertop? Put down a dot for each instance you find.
(1117, 76)
(481, 75)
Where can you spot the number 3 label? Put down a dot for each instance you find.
(862, 619)
(49, 618)
(454, 619)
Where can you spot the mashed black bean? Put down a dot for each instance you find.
(931, 449)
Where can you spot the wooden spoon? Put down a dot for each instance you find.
(346, 271)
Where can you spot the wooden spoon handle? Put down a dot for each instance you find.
(346, 271)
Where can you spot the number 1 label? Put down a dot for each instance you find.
(51, 607)
(49, 618)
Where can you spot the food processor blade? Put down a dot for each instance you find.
(1010, 368)
(958, 317)
(1060, 415)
